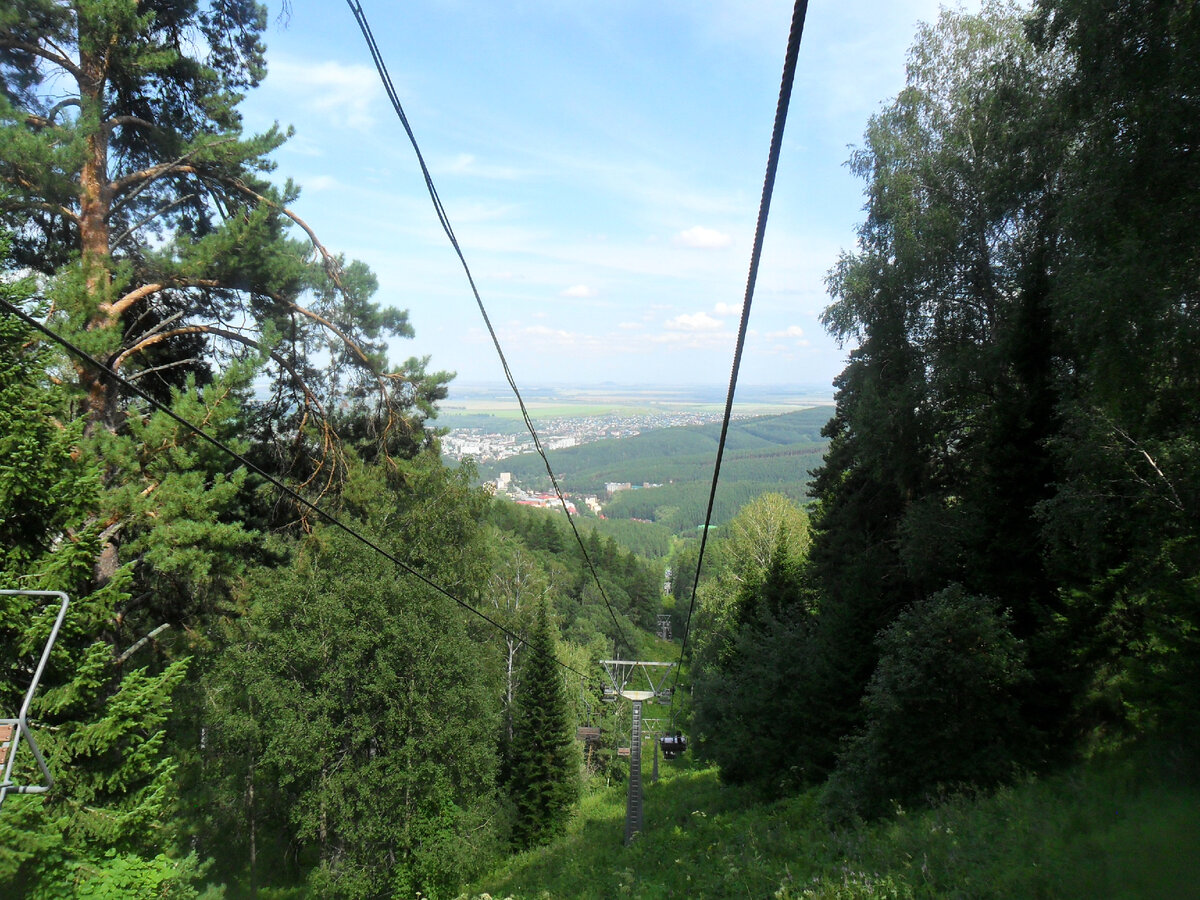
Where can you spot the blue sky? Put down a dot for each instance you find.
(601, 163)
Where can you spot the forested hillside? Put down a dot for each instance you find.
(763, 454)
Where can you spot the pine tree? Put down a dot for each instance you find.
(545, 771)
(127, 179)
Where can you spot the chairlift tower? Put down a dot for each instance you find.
(14, 731)
(620, 672)
(664, 626)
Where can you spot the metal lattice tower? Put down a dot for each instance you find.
(664, 626)
(620, 672)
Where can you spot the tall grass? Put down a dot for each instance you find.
(1121, 829)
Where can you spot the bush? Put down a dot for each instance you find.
(941, 709)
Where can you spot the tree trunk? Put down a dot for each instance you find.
(95, 199)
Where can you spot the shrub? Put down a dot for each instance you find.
(941, 709)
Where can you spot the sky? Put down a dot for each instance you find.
(601, 164)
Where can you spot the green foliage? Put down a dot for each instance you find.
(647, 539)
(127, 877)
(942, 708)
(1121, 829)
(1122, 529)
(42, 487)
(938, 456)
(632, 585)
(752, 630)
(129, 184)
(350, 722)
(682, 505)
(99, 719)
(1014, 415)
(544, 782)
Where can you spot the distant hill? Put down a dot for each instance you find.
(765, 453)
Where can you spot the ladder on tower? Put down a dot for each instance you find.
(654, 675)
(633, 811)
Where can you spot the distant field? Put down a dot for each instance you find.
(494, 405)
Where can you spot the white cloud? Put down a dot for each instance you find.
(630, 326)
(703, 238)
(344, 93)
(320, 183)
(700, 321)
(579, 291)
(727, 309)
(692, 340)
(544, 331)
(792, 331)
(467, 164)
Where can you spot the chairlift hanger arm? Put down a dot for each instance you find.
(16, 730)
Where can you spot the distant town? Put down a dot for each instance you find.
(559, 434)
(571, 431)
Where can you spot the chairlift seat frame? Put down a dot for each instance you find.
(14, 731)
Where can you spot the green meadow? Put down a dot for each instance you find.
(1122, 829)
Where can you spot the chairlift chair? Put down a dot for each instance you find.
(672, 745)
(14, 731)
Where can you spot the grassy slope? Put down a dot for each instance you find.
(1111, 831)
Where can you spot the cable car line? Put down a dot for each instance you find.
(361, 17)
(764, 207)
(292, 494)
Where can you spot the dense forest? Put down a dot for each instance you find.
(328, 666)
(1003, 574)
(333, 666)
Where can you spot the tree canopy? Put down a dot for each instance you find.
(127, 179)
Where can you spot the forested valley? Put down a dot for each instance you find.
(332, 666)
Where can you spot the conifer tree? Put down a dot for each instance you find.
(99, 715)
(545, 769)
(350, 723)
(125, 175)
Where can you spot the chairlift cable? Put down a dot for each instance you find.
(291, 493)
(781, 110)
(364, 26)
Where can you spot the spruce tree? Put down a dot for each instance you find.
(99, 716)
(351, 725)
(545, 769)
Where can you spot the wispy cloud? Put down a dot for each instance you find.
(579, 291)
(700, 321)
(691, 340)
(343, 93)
(703, 238)
(792, 331)
(558, 334)
(320, 183)
(727, 309)
(467, 164)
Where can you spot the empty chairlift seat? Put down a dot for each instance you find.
(14, 732)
